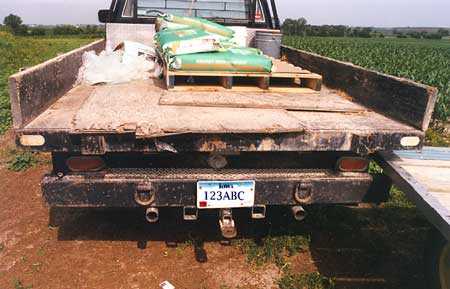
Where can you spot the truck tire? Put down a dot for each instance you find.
(437, 261)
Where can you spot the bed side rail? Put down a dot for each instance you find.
(402, 99)
(33, 90)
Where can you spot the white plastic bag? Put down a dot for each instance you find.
(131, 62)
(132, 49)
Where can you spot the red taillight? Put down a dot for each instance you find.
(85, 164)
(353, 164)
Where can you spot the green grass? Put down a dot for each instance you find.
(425, 61)
(398, 200)
(20, 52)
(22, 160)
(437, 137)
(275, 248)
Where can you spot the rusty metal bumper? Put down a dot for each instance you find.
(177, 187)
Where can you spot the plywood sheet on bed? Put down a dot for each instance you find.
(135, 107)
(116, 107)
(363, 123)
(327, 101)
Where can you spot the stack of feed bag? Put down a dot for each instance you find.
(196, 44)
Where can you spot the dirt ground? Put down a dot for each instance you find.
(117, 249)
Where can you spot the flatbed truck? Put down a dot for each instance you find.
(117, 146)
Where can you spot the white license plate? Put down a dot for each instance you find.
(225, 194)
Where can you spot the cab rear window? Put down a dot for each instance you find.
(217, 9)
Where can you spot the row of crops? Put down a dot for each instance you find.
(424, 61)
(18, 52)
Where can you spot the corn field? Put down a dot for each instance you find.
(424, 61)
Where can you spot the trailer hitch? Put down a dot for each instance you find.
(145, 194)
(227, 225)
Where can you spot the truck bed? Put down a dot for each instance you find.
(351, 114)
(136, 106)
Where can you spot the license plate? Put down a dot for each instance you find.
(225, 194)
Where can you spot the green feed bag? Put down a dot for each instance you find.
(162, 24)
(201, 24)
(186, 41)
(232, 60)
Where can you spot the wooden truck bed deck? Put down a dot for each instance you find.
(151, 111)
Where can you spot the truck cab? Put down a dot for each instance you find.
(249, 13)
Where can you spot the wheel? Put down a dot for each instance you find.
(437, 261)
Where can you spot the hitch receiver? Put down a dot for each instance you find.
(227, 225)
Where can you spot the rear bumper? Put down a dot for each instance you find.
(177, 187)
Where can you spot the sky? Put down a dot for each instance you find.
(380, 13)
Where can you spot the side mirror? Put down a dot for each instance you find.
(105, 16)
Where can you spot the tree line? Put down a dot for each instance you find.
(422, 34)
(300, 27)
(15, 25)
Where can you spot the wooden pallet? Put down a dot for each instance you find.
(284, 77)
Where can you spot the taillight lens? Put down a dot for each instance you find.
(85, 164)
(353, 164)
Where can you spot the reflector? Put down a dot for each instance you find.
(32, 140)
(410, 141)
(353, 164)
(85, 164)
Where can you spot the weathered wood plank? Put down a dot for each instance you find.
(60, 115)
(364, 123)
(114, 107)
(281, 71)
(186, 88)
(402, 99)
(33, 90)
(139, 105)
(327, 101)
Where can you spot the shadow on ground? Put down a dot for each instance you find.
(358, 248)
